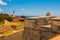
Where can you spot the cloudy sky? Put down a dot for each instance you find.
(30, 7)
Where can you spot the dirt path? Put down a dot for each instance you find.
(57, 37)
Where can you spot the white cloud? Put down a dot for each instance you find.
(2, 3)
(0, 9)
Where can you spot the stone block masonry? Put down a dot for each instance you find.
(38, 34)
(34, 29)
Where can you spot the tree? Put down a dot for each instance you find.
(5, 17)
(1, 21)
(5, 14)
(9, 18)
(23, 16)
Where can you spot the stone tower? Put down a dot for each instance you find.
(48, 14)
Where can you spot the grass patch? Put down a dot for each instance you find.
(17, 23)
(1, 24)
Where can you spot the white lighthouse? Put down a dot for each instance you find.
(13, 14)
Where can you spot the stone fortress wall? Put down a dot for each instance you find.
(35, 28)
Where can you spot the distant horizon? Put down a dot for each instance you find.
(30, 15)
(30, 7)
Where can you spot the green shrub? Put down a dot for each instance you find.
(13, 26)
(1, 21)
(23, 16)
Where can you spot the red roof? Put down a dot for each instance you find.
(21, 18)
(16, 18)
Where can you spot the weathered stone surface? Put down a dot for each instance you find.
(46, 33)
(37, 22)
(29, 23)
(1, 38)
(38, 34)
(55, 24)
(30, 34)
(35, 31)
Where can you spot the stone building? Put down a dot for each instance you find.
(48, 14)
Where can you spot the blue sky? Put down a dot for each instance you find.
(30, 7)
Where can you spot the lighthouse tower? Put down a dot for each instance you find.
(13, 14)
